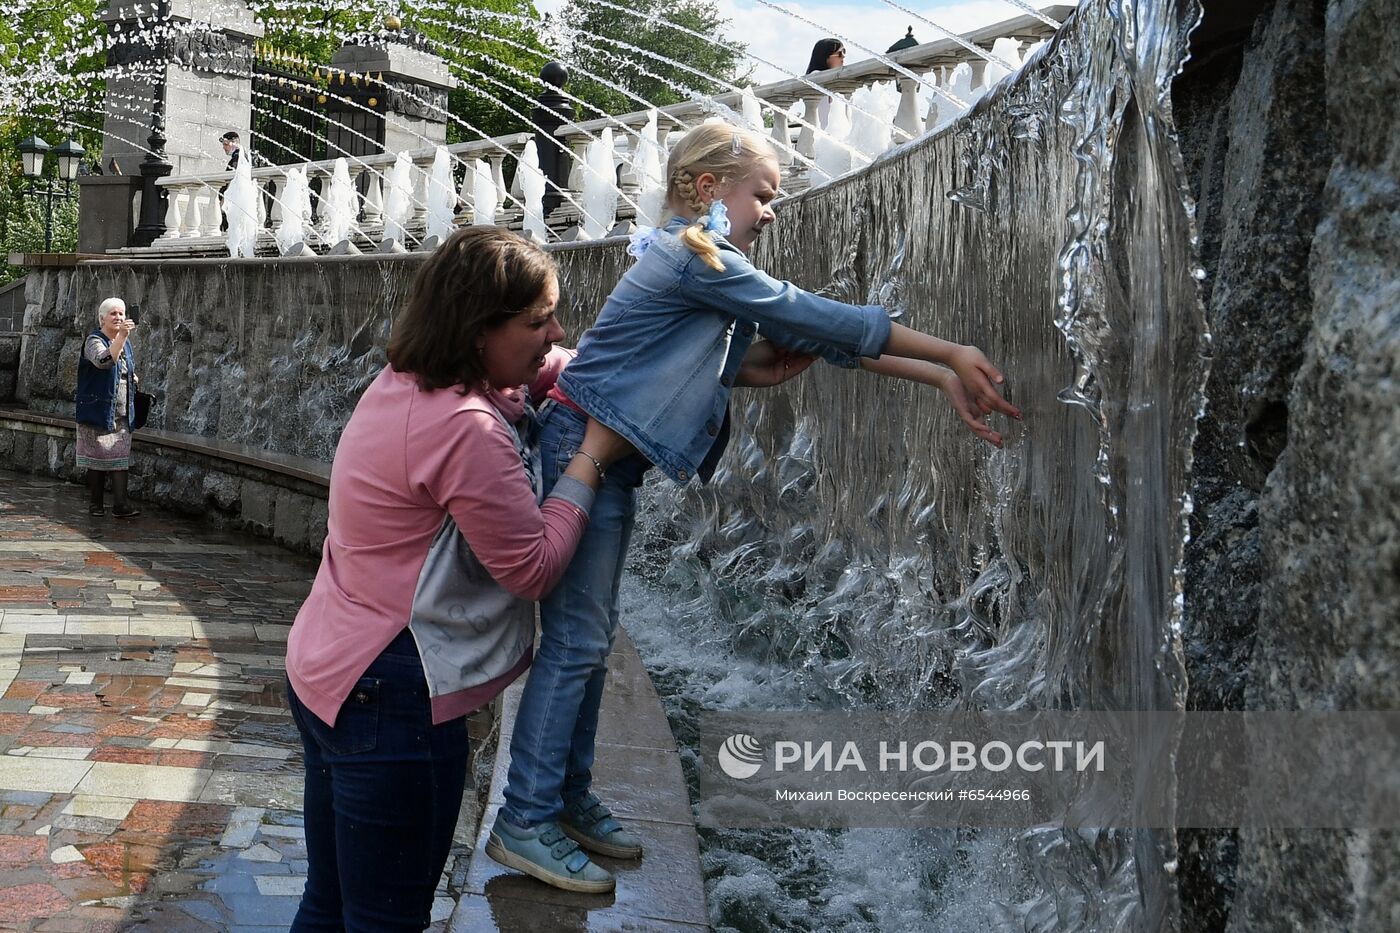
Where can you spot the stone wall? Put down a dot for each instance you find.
(1291, 577)
(1329, 514)
(269, 353)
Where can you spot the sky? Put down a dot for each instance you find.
(775, 30)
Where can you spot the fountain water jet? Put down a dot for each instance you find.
(241, 212)
(398, 202)
(442, 196)
(532, 187)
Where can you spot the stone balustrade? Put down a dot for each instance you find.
(193, 210)
(193, 215)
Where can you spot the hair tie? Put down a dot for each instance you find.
(640, 239)
(736, 145)
(716, 220)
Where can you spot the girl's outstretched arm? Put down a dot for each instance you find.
(978, 376)
(946, 381)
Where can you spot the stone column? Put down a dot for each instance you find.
(398, 79)
(554, 111)
(202, 70)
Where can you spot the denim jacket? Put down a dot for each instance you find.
(659, 363)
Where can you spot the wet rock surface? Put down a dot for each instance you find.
(1255, 141)
(1291, 574)
(1330, 511)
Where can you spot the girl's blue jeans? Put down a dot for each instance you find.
(551, 750)
(383, 789)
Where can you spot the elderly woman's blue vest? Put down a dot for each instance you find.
(97, 389)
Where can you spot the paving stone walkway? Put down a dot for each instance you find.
(150, 774)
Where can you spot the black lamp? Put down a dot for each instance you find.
(69, 154)
(32, 149)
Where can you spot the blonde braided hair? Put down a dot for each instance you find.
(728, 152)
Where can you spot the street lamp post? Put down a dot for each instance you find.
(68, 154)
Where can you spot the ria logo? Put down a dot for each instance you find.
(740, 756)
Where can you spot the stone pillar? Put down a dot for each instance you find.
(554, 111)
(399, 79)
(106, 211)
(202, 70)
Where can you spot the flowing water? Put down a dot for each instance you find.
(857, 549)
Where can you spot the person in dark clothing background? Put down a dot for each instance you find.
(231, 149)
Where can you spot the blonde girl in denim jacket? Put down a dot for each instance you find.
(674, 337)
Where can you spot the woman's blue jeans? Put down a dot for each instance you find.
(383, 789)
(551, 750)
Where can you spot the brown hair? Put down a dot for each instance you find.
(472, 283)
(727, 152)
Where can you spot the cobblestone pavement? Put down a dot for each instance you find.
(150, 773)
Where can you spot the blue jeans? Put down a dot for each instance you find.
(383, 789)
(551, 750)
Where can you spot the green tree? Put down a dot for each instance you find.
(22, 228)
(489, 46)
(51, 64)
(594, 31)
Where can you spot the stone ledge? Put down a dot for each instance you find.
(272, 495)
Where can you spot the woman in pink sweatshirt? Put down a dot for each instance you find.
(437, 544)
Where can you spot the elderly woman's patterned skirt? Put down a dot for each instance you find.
(109, 450)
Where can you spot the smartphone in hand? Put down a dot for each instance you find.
(133, 313)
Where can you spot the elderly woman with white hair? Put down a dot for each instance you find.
(106, 406)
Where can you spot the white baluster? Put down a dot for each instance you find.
(374, 199)
(212, 215)
(979, 75)
(356, 171)
(782, 136)
(498, 175)
(578, 145)
(418, 220)
(628, 181)
(174, 212)
(807, 137)
(907, 120)
(467, 193)
(515, 189)
(190, 216)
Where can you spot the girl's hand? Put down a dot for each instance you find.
(970, 411)
(979, 380)
(766, 364)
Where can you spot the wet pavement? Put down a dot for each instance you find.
(151, 775)
(638, 774)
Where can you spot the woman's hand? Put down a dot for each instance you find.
(766, 364)
(601, 448)
(124, 330)
(604, 444)
(979, 380)
(970, 410)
